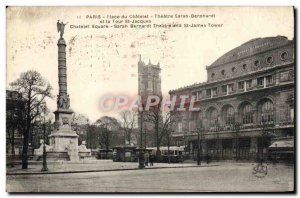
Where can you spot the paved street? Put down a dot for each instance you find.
(225, 177)
(90, 165)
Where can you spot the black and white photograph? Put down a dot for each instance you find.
(156, 99)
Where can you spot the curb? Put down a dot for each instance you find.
(90, 171)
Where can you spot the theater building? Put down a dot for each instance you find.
(246, 103)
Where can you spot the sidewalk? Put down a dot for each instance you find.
(91, 166)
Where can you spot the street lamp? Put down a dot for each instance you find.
(168, 139)
(263, 122)
(217, 129)
(45, 168)
(141, 153)
(199, 131)
(236, 129)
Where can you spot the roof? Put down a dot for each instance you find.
(251, 48)
(283, 144)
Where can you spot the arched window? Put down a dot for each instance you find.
(247, 115)
(212, 116)
(196, 120)
(267, 111)
(229, 115)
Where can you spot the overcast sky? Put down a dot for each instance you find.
(103, 61)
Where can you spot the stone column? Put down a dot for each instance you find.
(62, 69)
(63, 100)
(64, 140)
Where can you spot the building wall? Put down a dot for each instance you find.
(15, 106)
(239, 95)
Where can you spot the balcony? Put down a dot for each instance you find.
(231, 127)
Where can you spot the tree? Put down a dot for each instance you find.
(37, 133)
(163, 123)
(128, 124)
(92, 136)
(108, 128)
(80, 124)
(34, 89)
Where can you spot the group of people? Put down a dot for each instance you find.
(149, 158)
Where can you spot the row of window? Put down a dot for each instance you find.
(269, 60)
(227, 89)
(265, 114)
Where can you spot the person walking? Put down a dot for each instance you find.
(147, 158)
(151, 159)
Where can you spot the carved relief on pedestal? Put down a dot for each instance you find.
(63, 101)
(57, 125)
(65, 120)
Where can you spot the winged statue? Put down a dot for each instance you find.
(61, 28)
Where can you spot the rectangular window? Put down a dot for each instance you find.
(230, 88)
(194, 94)
(199, 95)
(292, 114)
(215, 91)
(179, 126)
(269, 80)
(249, 84)
(208, 92)
(260, 82)
(241, 85)
(224, 89)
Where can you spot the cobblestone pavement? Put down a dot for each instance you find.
(228, 177)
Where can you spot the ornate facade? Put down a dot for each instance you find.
(247, 101)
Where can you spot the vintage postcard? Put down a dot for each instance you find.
(150, 99)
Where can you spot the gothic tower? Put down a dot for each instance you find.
(149, 83)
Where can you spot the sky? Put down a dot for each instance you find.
(104, 61)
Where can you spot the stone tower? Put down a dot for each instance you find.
(63, 139)
(149, 79)
(149, 83)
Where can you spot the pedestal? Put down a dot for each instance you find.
(64, 139)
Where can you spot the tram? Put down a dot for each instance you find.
(175, 153)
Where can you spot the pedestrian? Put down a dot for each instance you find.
(207, 158)
(147, 158)
(151, 159)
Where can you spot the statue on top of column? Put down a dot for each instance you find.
(61, 28)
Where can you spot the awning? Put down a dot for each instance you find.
(283, 144)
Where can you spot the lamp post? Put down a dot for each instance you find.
(199, 131)
(237, 129)
(217, 129)
(168, 139)
(141, 153)
(45, 168)
(263, 122)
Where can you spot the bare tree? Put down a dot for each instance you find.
(163, 122)
(154, 117)
(128, 124)
(34, 89)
